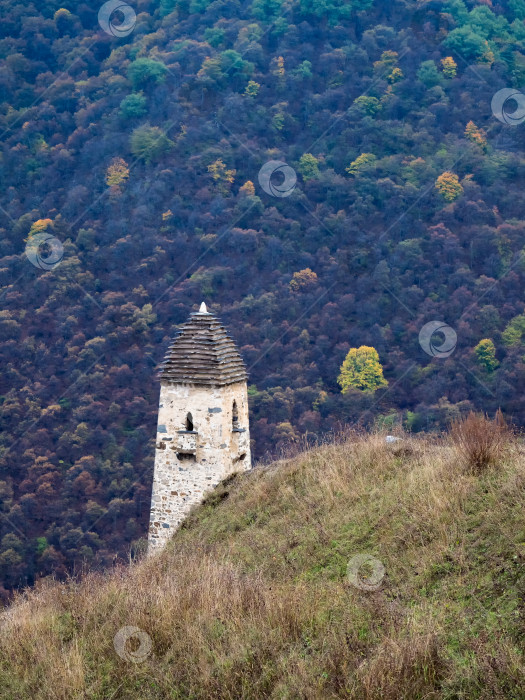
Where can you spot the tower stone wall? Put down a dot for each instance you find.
(203, 425)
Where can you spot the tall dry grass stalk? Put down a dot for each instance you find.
(479, 441)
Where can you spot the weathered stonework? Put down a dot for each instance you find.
(203, 430)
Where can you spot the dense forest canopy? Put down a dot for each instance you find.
(394, 200)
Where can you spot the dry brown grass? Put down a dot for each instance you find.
(479, 441)
(251, 599)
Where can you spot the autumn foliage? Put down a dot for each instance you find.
(449, 186)
(361, 370)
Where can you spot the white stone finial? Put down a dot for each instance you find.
(203, 309)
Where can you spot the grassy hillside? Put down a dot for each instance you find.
(253, 600)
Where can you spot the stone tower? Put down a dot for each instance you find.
(203, 433)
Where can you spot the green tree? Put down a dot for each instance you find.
(133, 106)
(232, 62)
(457, 9)
(11, 567)
(303, 70)
(252, 88)
(145, 71)
(167, 6)
(143, 318)
(279, 116)
(429, 74)
(308, 166)
(486, 354)
(368, 105)
(266, 9)
(466, 42)
(518, 8)
(334, 10)
(361, 163)
(199, 6)
(224, 67)
(361, 370)
(149, 143)
(214, 36)
(41, 545)
(513, 333)
(387, 62)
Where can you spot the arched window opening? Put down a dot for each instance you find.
(186, 457)
(189, 422)
(235, 416)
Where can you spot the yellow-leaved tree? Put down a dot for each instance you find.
(449, 66)
(221, 175)
(476, 135)
(449, 186)
(361, 370)
(40, 226)
(117, 172)
(248, 189)
(361, 163)
(303, 280)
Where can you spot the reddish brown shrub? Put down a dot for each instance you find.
(479, 441)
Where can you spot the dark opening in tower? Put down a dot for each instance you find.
(235, 416)
(189, 422)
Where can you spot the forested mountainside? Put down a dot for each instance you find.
(142, 158)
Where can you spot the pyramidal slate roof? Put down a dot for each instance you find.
(203, 353)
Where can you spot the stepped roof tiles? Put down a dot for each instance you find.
(203, 353)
